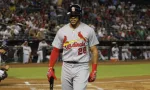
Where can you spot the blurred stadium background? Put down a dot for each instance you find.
(125, 23)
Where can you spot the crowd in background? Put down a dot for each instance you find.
(37, 19)
(112, 20)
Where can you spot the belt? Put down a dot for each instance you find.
(74, 62)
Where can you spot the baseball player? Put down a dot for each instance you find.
(77, 40)
(3, 71)
(26, 52)
(146, 54)
(115, 52)
(42, 44)
(125, 52)
(3, 67)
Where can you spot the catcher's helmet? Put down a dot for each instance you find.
(75, 10)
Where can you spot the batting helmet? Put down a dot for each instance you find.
(74, 10)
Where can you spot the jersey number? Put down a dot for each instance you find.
(81, 50)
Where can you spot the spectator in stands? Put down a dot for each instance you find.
(141, 33)
(42, 44)
(148, 36)
(41, 33)
(121, 20)
(26, 52)
(101, 31)
(6, 33)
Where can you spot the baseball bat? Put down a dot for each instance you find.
(51, 82)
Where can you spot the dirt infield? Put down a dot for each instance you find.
(124, 83)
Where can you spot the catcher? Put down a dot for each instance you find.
(3, 68)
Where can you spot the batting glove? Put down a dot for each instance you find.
(51, 73)
(92, 76)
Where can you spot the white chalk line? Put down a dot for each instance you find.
(129, 81)
(119, 81)
(59, 85)
(91, 85)
(31, 87)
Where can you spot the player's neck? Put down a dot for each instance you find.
(74, 26)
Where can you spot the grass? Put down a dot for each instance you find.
(104, 71)
(109, 71)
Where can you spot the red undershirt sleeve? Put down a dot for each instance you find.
(53, 57)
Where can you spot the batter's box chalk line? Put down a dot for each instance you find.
(59, 85)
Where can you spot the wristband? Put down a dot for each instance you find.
(94, 67)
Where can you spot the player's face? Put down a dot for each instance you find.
(43, 41)
(26, 43)
(74, 20)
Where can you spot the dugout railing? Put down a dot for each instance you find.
(134, 52)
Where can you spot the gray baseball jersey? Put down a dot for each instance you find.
(75, 42)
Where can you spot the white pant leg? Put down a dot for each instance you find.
(116, 56)
(40, 56)
(66, 77)
(101, 56)
(123, 56)
(25, 58)
(74, 76)
(48, 57)
(145, 55)
(81, 80)
(126, 56)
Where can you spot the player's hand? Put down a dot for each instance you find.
(92, 76)
(7, 67)
(2, 51)
(51, 73)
